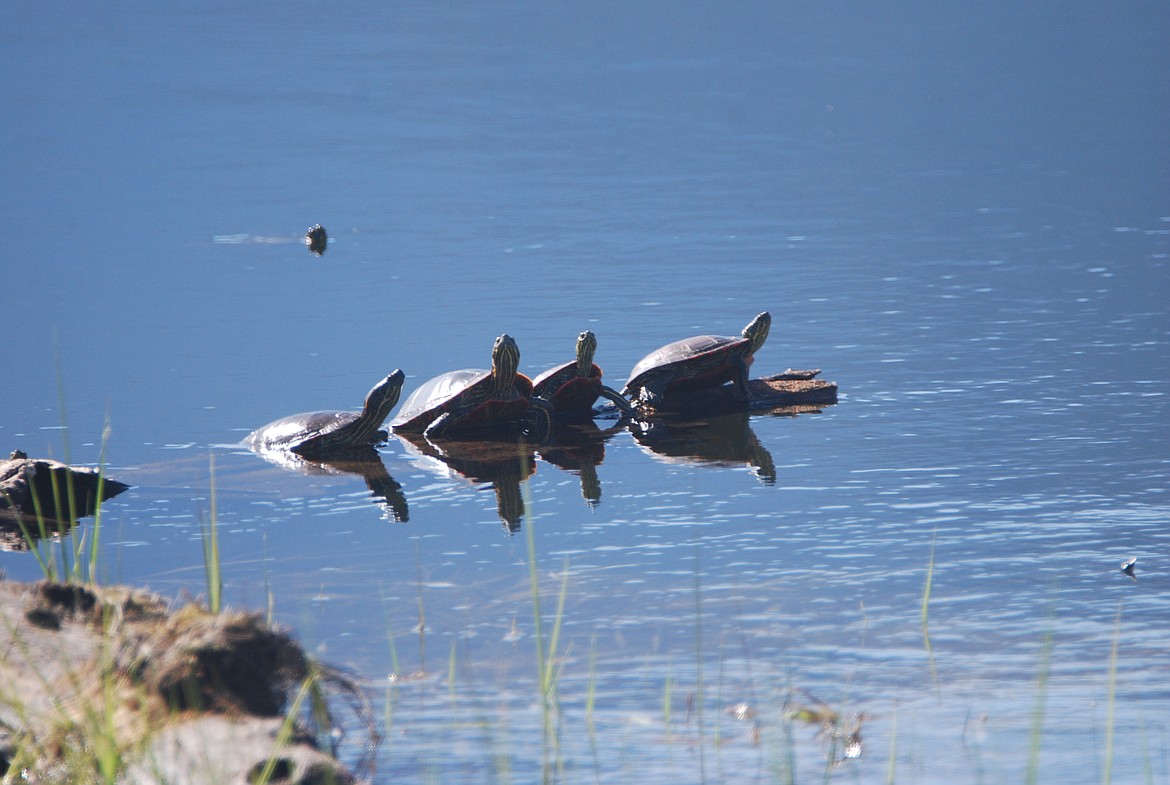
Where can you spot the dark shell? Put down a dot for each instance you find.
(330, 431)
(566, 390)
(290, 432)
(467, 392)
(699, 359)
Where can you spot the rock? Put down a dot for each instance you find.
(197, 752)
(182, 696)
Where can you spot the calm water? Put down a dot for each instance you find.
(962, 216)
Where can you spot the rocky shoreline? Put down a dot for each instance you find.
(94, 677)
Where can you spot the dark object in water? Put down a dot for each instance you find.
(1128, 567)
(790, 392)
(326, 433)
(41, 498)
(317, 239)
(503, 463)
(723, 440)
(44, 489)
(475, 401)
(573, 387)
(699, 362)
(364, 462)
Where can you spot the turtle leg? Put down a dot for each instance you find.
(306, 449)
(619, 401)
(741, 378)
(441, 426)
(539, 422)
(653, 393)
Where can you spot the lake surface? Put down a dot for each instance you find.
(962, 215)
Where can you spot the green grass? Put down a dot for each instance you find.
(1111, 701)
(77, 558)
(210, 539)
(1032, 773)
(308, 687)
(89, 746)
(58, 544)
(550, 660)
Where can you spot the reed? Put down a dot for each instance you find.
(284, 735)
(1111, 701)
(892, 766)
(47, 567)
(548, 671)
(591, 685)
(1032, 773)
(97, 514)
(70, 557)
(925, 615)
(924, 618)
(699, 718)
(210, 539)
(451, 691)
(667, 701)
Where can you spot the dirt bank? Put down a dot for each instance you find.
(98, 680)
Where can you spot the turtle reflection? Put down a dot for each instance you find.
(504, 464)
(727, 440)
(580, 448)
(365, 462)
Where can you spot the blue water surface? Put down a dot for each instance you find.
(960, 214)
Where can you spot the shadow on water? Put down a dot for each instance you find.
(364, 462)
(579, 448)
(726, 440)
(504, 464)
(717, 441)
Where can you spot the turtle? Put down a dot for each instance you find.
(700, 361)
(474, 399)
(317, 239)
(319, 433)
(572, 388)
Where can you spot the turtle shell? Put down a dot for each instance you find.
(291, 432)
(699, 361)
(331, 431)
(469, 394)
(569, 392)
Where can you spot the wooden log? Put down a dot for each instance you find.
(42, 498)
(32, 486)
(796, 390)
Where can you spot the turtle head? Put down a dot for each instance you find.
(505, 360)
(586, 348)
(384, 395)
(757, 331)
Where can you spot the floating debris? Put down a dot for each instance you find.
(841, 735)
(742, 712)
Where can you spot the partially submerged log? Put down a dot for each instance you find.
(40, 497)
(41, 486)
(792, 391)
(184, 696)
